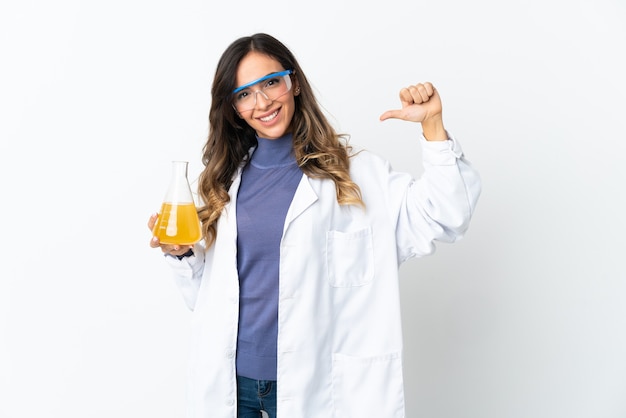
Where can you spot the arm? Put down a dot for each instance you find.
(188, 274)
(440, 204)
(187, 263)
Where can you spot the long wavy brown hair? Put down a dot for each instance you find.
(320, 151)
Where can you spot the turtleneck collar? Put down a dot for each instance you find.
(273, 152)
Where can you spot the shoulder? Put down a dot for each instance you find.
(362, 158)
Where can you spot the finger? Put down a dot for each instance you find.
(430, 90)
(426, 91)
(177, 249)
(152, 220)
(419, 93)
(406, 97)
(391, 114)
(155, 243)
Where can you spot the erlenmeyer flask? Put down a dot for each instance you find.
(178, 221)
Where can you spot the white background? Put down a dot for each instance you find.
(525, 317)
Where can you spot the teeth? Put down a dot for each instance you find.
(270, 117)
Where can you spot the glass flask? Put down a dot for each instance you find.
(178, 221)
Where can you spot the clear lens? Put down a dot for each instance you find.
(271, 87)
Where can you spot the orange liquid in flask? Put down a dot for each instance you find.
(178, 224)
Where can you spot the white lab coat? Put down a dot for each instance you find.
(339, 329)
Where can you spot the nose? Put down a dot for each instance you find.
(264, 102)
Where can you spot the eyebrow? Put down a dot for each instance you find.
(279, 73)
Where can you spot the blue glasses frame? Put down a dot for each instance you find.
(252, 83)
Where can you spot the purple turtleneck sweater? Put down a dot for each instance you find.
(268, 184)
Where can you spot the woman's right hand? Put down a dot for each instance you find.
(171, 249)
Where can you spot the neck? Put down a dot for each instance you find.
(273, 152)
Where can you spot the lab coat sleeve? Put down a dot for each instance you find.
(440, 204)
(188, 274)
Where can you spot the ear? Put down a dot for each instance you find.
(296, 90)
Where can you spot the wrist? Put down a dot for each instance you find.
(189, 253)
(433, 129)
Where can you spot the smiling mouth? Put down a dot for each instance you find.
(269, 117)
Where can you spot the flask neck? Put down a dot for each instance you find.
(179, 169)
(179, 191)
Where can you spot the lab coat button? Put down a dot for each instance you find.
(230, 402)
(230, 353)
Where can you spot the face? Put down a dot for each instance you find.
(269, 118)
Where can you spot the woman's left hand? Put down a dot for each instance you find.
(420, 103)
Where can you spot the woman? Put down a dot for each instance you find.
(295, 285)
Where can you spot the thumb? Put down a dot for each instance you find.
(391, 114)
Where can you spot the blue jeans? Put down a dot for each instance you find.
(254, 396)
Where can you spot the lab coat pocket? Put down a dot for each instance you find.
(350, 258)
(368, 386)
